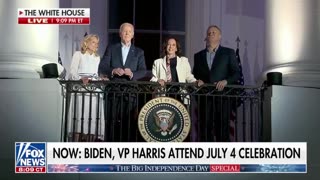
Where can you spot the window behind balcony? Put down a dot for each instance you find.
(154, 20)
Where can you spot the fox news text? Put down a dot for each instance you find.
(30, 158)
(62, 16)
(161, 157)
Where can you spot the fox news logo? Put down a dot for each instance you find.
(30, 157)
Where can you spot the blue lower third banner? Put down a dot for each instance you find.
(191, 168)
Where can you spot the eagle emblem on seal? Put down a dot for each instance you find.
(164, 122)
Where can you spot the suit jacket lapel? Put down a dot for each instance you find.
(163, 74)
(216, 57)
(130, 56)
(203, 60)
(118, 54)
(164, 63)
(179, 69)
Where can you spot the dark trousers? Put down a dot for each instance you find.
(213, 122)
(121, 121)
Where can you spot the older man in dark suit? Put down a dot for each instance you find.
(216, 65)
(122, 62)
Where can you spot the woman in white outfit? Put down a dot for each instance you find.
(173, 67)
(84, 66)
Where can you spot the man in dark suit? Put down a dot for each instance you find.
(215, 65)
(122, 62)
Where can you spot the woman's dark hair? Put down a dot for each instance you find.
(165, 44)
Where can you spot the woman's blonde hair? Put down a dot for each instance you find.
(85, 41)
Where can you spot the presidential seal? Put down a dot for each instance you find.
(164, 119)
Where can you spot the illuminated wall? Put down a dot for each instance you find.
(292, 41)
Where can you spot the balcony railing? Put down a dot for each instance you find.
(115, 111)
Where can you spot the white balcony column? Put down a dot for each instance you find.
(25, 48)
(293, 41)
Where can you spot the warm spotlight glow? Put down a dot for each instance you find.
(287, 29)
